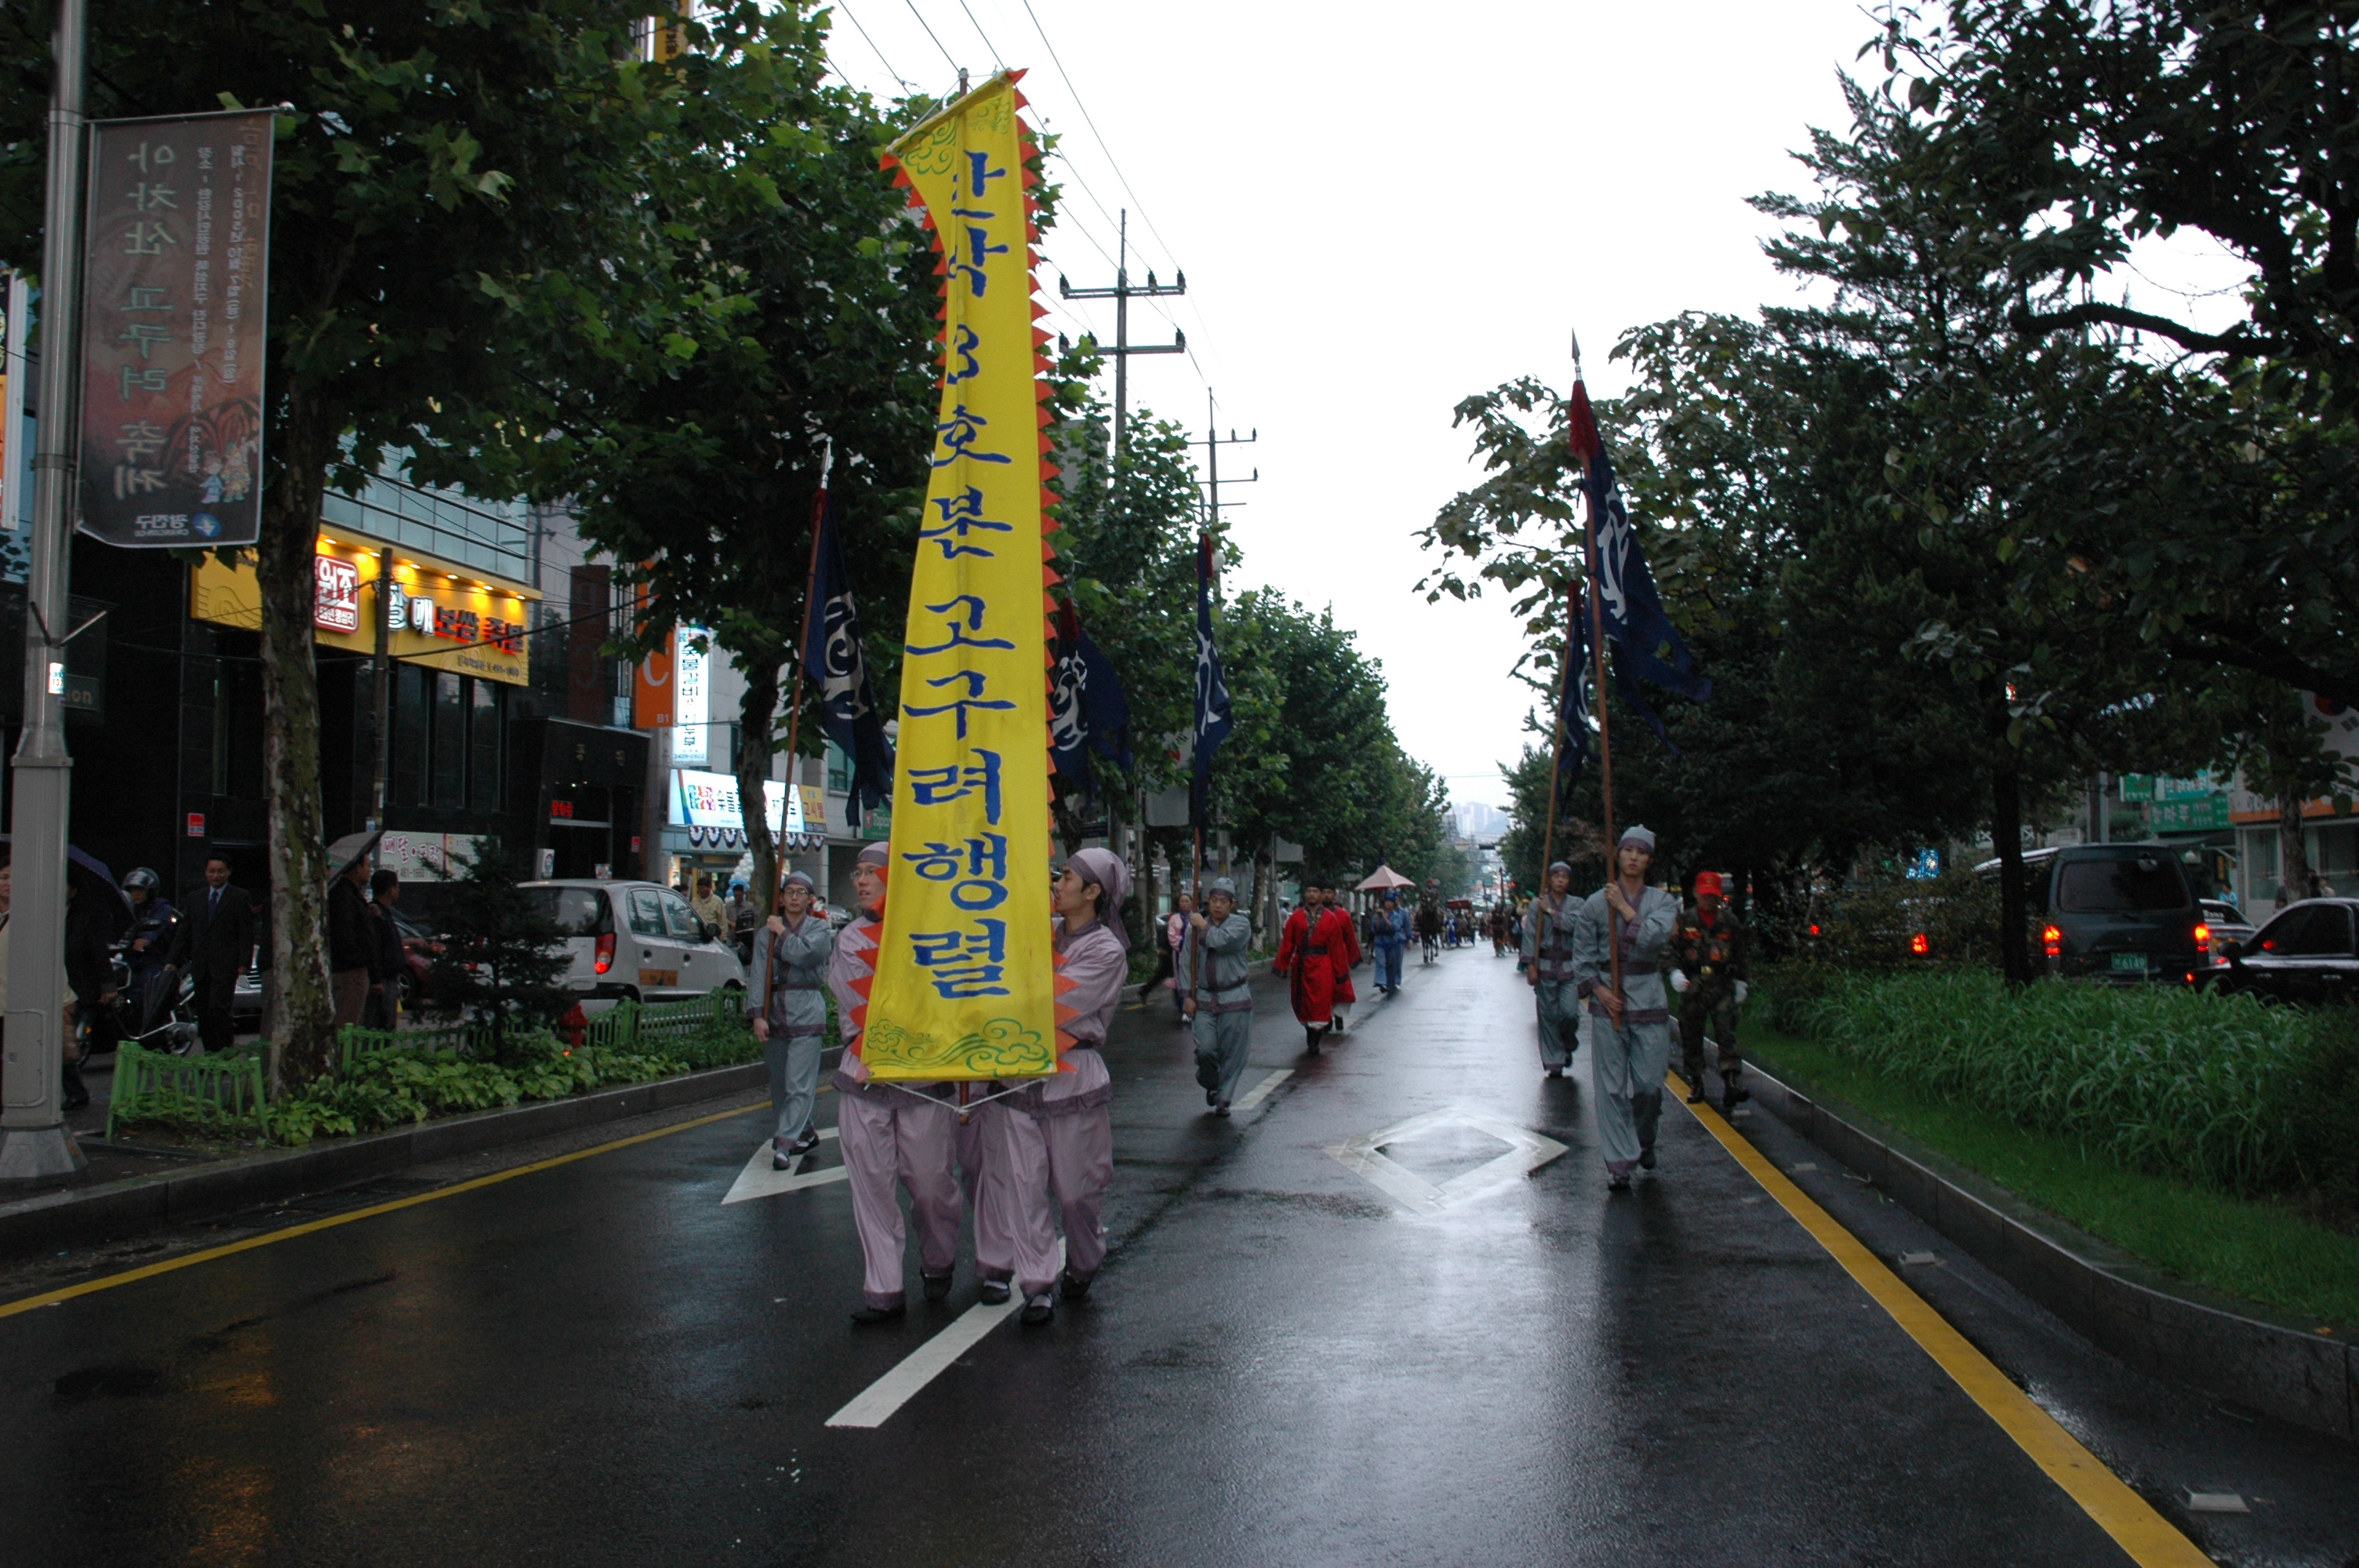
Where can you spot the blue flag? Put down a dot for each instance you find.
(1087, 708)
(1212, 720)
(1572, 707)
(836, 665)
(1652, 647)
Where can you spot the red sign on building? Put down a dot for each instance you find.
(336, 601)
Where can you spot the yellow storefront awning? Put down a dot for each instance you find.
(443, 616)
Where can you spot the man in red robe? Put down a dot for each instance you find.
(1318, 951)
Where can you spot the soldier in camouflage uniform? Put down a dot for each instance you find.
(1708, 953)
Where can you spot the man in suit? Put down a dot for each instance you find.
(212, 941)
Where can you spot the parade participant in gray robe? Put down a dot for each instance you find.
(792, 1024)
(890, 1133)
(1056, 1137)
(1547, 940)
(1630, 1032)
(1220, 1004)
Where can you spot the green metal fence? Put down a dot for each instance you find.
(626, 1026)
(152, 1083)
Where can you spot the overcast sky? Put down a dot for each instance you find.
(1381, 210)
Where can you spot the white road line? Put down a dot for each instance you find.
(1260, 1091)
(1526, 1152)
(877, 1403)
(758, 1180)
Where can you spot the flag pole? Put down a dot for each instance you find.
(794, 704)
(1556, 747)
(1604, 722)
(1202, 798)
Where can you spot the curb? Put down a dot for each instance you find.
(2107, 1297)
(95, 1214)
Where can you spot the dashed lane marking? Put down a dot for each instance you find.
(1260, 1091)
(191, 1260)
(759, 1180)
(2120, 1513)
(875, 1403)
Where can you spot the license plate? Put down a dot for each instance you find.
(2133, 963)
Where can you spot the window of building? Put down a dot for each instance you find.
(839, 769)
(450, 742)
(406, 769)
(487, 706)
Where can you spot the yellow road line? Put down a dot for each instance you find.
(190, 1260)
(2120, 1513)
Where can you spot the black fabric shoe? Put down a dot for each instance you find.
(1072, 1289)
(1212, 1096)
(993, 1292)
(781, 1161)
(1311, 1035)
(1730, 1095)
(1222, 1109)
(1646, 1158)
(937, 1286)
(806, 1144)
(1695, 1090)
(1556, 1071)
(1038, 1310)
(1618, 1184)
(868, 1316)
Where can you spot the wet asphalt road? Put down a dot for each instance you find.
(1283, 1362)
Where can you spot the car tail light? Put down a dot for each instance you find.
(1814, 930)
(2202, 937)
(1920, 946)
(2052, 938)
(606, 952)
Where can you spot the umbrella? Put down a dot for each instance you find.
(1384, 878)
(90, 875)
(352, 848)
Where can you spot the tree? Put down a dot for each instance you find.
(502, 953)
(430, 147)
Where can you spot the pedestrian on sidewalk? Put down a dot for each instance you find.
(791, 1020)
(350, 942)
(1549, 936)
(212, 941)
(388, 960)
(1708, 955)
(1630, 1028)
(889, 1132)
(708, 906)
(1219, 1005)
(1390, 938)
(1055, 1139)
(1316, 951)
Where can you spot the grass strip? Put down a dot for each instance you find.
(2260, 1248)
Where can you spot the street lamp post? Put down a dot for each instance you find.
(34, 1142)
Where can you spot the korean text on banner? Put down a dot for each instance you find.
(965, 984)
(176, 263)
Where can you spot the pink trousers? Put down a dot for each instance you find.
(890, 1135)
(1028, 1159)
(995, 1238)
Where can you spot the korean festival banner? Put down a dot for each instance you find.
(176, 265)
(965, 984)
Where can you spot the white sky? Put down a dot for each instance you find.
(1380, 211)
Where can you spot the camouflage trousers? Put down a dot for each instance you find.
(1708, 1010)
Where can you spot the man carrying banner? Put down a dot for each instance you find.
(1708, 948)
(792, 1021)
(1055, 1138)
(889, 1132)
(1549, 935)
(1317, 951)
(1630, 1028)
(1220, 1003)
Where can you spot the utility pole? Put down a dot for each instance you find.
(35, 1145)
(1213, 445)
(1122, 293)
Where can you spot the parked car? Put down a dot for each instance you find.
(2117, 912)
(2306, 954)
(637, 940)
(2227, 923)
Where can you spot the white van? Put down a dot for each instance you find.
(637, 939)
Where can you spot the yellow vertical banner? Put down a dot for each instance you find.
(966, 982)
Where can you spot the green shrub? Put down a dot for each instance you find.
(2325, 1109)
(2189, 1084)
(1868, 924)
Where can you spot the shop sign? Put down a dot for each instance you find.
(426, 856)
(2188, 815)
(690, 706)
(176, 265)
(435, 616)
(2138, 787)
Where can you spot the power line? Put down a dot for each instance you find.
(929, 31)
(856, 28)
(983, 36)
(1112, 161)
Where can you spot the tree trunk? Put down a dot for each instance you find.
(2293, 849)
(756, 715)
(301, 1005)
(2006, 837)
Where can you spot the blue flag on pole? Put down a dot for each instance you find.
(1652, 647)
(839, 669)
(1212, 720)
(1087, 708)
(1572, 710)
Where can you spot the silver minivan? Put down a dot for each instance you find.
(639, 940)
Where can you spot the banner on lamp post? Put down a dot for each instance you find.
(965, 984)
(175, 267)
(690, 705)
